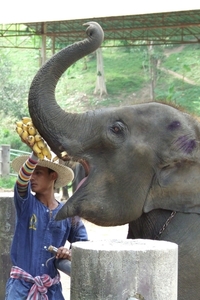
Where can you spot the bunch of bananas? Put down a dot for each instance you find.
(29, 133)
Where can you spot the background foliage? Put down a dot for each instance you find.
(128, 81)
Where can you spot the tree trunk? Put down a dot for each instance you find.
(152, 70)
(100, 82)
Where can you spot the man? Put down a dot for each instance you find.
(33, 275)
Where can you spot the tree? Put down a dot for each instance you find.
(100, 82)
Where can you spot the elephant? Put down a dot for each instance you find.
(79, 174)
(142, 163)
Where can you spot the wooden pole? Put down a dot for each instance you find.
(124, 270)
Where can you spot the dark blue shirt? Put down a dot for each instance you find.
(36, 229)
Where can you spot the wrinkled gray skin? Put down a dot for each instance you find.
(143, 163)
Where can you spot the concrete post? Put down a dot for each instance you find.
(7, 224)
(4, 160)
(124, 270)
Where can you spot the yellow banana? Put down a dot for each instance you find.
(19, 123)
(25, 120)
(49, 156)
(55, 158)
(40, 156)
(38, 137)
(28, 124)
(32, 130)
(36, 149)
(29, 133)
(41, 144)
(31, 140)
(24, 127)
(24, 135)
(19, 130)
(46, 152)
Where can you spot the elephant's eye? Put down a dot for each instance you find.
(117, 127)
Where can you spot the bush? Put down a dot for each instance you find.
(7, 182)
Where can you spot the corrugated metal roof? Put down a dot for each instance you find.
(178, 27)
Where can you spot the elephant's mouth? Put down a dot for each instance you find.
(70, 209)
(85, 165)
(81, 182)
(72, 160)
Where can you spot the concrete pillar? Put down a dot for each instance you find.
(124, 270)
(7, 224)
(4, 160)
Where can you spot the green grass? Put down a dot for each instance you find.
(7, 182)
(179, 92)
(126, 74)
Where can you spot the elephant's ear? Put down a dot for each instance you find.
(176, 187)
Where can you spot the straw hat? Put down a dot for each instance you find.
(65, 174)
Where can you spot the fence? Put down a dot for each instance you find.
(6, 156)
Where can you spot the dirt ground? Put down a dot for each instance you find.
(95, 233)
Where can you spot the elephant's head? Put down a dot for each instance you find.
(138, 158)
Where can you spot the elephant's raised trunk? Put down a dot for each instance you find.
(48, 117)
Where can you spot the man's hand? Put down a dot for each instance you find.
(63, 253)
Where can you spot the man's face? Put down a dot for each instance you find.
(42, 179)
